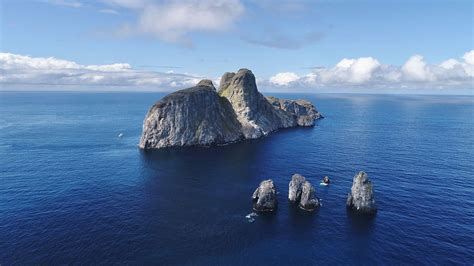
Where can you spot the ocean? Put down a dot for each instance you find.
(73, 192)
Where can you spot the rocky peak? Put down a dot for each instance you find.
(206, 83)
(245, 80)
(257, 116)
(226, 79)
(241, 84)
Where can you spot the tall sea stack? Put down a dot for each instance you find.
(361, 197)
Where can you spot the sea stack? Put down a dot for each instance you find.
(302, 193)
(295, 187)
(201, 116)
(308, 200)
(361, 197)
(264, 197)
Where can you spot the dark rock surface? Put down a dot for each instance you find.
(295, 187)
(194, 116)
(308, 199)
(302, 111)
(264, 196)
(257, 116)
(361, 197)
(303, 193)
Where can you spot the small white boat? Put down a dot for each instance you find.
(120, 135)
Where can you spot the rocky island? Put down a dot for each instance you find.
(203, 116)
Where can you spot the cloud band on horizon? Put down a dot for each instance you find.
(22, 72)
(369, 72)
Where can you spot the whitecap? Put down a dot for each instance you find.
(250, 215)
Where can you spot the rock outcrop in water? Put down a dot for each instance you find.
(202, 116)
(295, 187)
(308, 199)
(303, 193)
(264, 196)
(361, 197)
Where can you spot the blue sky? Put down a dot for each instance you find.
(289, 45)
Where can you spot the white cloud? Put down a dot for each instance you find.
(469, 57)
(15, 61)
(33, 73)
(172, 21)
(416, 69)
(284, 78)
(355, 70)
(449, 64)
(369, 73)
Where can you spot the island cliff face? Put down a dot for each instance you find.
(256, 114)
(194, 116)
(201, 116)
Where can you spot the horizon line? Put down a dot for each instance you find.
(421, 93)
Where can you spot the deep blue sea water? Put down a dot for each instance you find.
(72, 191)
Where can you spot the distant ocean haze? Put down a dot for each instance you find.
(73, 191)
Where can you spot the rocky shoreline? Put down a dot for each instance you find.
(204, 116)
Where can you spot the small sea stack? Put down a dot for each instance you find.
(361, 197)
(308, 200)
(295, 187)
(301, 192)
(264, 197)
